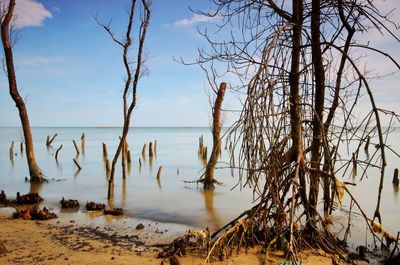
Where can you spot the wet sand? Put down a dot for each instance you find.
(72, 242)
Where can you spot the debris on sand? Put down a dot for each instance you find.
(66, 204)
(3, 198)
(30, 198)
(3, 249)
(34, 213)
(114, 211)
(92, 206)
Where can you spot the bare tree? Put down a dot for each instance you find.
(133, 72)
(6, 30)
(293, 62)
(209, 179)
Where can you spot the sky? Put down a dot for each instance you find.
(70, 73)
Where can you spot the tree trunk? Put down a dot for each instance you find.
(319, 100)
(216, 131)
(34, 170)
(294, 97)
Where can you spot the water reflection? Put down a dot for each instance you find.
(35, 187)
(151, 164)
(209, 205)
(124, 189)
(159, 183)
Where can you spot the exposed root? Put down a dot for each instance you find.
(66, 204)
(114, 211)
(92, 206)
(34, 213)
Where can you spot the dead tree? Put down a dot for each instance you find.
(133, 70)
(6, 33)
(301, 86)
(216, 132)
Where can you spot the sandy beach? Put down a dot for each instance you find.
(70, 242)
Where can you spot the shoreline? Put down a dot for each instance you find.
(73, 240)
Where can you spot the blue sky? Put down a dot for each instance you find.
(70, 72)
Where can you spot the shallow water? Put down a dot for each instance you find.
(169, 200)
(140, 195)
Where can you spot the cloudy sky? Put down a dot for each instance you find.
(70, 73)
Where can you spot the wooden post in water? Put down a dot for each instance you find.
(83, 143)
(155, 147)
(22, 148)
(12, 151)
(150, 149)
(396, 177)
(76, 163)
(58, 150)
(49, 141)
(76, 147)
(159, 172)
(104, 150)
(144, 150)
(140, 163)
(128, 156)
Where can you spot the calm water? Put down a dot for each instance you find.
(170, 200)
(140, 195)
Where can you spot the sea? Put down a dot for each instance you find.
(174, 197)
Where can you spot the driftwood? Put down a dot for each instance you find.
(76, 147)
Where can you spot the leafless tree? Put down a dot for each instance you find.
(294, 63)
(134, 71)
(6, 35)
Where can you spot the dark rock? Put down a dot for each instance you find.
(140, 226)
(92, 206)
(30, 198)
(114, 211)
(65, 204)
(3, 198)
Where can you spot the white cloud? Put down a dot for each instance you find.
(30, 13)
(195, 19)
